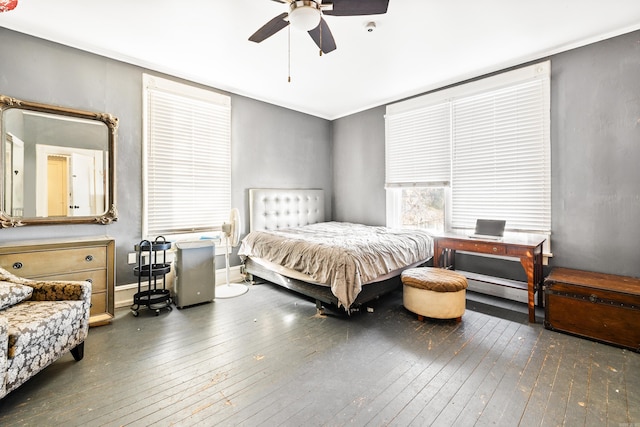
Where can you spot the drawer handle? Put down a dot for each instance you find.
(495, 249)
(17, 265)
(88, 258)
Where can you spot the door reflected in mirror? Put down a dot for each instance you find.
(58, 164)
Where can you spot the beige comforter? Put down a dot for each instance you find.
(341, 255)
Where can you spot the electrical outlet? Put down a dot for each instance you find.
(132, 258)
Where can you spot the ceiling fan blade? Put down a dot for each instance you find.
(270, 28)
(357, 7)
(323, 37)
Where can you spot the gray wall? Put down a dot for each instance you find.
(595, 155)
(358, 170)
(595, 152)
(274, 147)
(271, 146)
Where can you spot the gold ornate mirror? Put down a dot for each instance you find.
(58, 165)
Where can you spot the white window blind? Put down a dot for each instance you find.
(493, 134)
(187, 149)
(418, 148)
(501, 161)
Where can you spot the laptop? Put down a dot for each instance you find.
(492, 229)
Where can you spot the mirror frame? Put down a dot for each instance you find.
(111, 213)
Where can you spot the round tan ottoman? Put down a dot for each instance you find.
(434, 292)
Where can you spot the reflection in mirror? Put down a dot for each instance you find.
(58, 165)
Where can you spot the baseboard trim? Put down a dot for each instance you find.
(124, 293)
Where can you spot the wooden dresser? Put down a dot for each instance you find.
(91, 259)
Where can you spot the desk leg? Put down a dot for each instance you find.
(436, 254)
(450, 259)
(446, 256)
(537, 277)
(528, 264)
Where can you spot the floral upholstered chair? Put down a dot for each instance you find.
(39, 322)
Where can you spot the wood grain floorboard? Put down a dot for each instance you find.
(483, 399)
(276, 397)
(449, 381)
(277, 404)
(380, 359)
(555, 397)
(270, 368)
(469, 401)
(428, 361)
(500, 406)
(402, 363)
(238, 371)
(266, 358)
(274, 367)
(544, 381)
(631, 373)
(576, 413)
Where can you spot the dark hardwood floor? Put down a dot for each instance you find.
(266, 358)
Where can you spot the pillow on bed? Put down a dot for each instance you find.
(13, 293)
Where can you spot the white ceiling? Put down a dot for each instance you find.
(418, 45)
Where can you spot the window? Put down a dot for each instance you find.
(187, 158)
(424, 207)
(478, 150)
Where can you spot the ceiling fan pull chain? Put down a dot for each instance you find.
(289, 56)
(320, 37)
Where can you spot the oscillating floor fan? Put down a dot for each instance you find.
(231, 233)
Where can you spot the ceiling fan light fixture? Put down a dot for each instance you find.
(304, 15)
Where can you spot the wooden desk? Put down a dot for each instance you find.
(528, 250)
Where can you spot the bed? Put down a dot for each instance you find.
(290, 244)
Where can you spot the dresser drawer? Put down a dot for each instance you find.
(98, 303)
(90, 258)
(42, 263)
(98, 278)
(482, 247)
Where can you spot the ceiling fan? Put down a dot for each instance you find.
(307, 16)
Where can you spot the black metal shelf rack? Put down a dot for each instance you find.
(154, 297)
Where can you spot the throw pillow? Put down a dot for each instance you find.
(9, 277)
(13, 293)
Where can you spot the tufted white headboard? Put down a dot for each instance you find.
(273, 208)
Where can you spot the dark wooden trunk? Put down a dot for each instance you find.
(598, 306)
